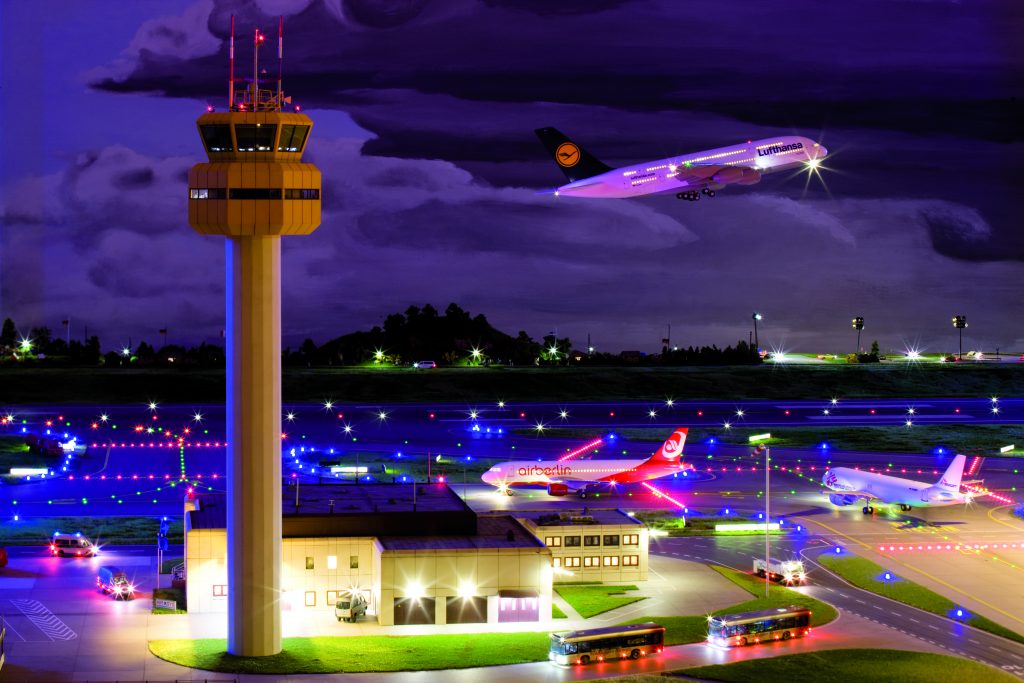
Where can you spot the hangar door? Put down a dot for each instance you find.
(410, 611)
(467, 610)
(518, 606)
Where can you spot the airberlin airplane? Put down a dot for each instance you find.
(688, 176)
(589, 476)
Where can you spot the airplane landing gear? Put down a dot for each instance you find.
(904, 508)
(691, 196)
(868, 510)
(708, 191)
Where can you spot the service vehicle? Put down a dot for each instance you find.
(750, 628)
(72, 545)
(114, 581)
(350, 607)
(422, 364)
(783, 571)
(601, 644)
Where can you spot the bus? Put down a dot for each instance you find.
(750, 628)
(612, 642)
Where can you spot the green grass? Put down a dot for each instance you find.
(14, 452)
(868, 575)
(981, 439)
(694, 526)
(843, 666)
(694, 629)
(28, 385)
(557, 613)
(332, 654)
(102, 530)
(590, 600)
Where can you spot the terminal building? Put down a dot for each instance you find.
(417, 553)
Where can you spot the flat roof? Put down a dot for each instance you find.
(316, 499)
(581, 517)
(492, 531)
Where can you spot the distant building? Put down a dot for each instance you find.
(598, 545)
(432, 561)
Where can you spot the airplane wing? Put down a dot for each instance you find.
(716, 175)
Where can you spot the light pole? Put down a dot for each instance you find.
(858, 324)
(757, 344)
(767, 508)
(960, 322)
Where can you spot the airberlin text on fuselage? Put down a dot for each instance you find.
(557, 470)
(778, 149)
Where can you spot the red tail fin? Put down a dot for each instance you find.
(672, 450)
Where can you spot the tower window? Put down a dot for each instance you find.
(302, 194)
(207, 193)
(217, 138)
(254, 193)
(292, 138)
(254, 137)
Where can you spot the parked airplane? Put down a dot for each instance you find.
(688, 176)
(852, 485)
(589, 476)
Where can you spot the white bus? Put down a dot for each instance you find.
(612, 642)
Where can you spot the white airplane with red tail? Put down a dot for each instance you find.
(589, 476)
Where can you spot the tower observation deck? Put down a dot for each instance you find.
(254, 188)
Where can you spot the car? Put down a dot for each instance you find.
(351, 607)
(424, 364)
(113, 580)
(72, 545)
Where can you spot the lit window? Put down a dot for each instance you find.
(255, 137)
(292, 138)
(309, 563)
(220, 591)
(631, 560)
(332, 561)
(310, 598)
(556, 562)
(553, 541)
(572, 562)
(217, 138)
(631, 539)
(332, 597)
(611, 561)
(591, 561)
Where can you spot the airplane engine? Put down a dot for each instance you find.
(840, 499)
(737, 176)
(558, 490)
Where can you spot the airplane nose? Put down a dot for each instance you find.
(822, 151)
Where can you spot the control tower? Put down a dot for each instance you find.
(254, 189)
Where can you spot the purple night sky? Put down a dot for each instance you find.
(424, 113)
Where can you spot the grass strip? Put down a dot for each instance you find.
(557, 613)
(694, 629)
(590, 600)
(101, 530)
(866, 574)
(843, 666)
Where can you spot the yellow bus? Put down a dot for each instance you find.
(750, 628)
(601, 644)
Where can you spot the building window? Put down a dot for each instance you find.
(255, 137)
(310, 598)
(255, 193)
(611, 561)
(332, 561)
(332, 597)
(556, 562)
(292, 138)
(572, 541)
(309, 563)
(207, 193)
(217, 138)
(611, 539)
(553, 541)
(353, 562)
(301, 194)
(631, 560)
(591, 561)
(572, 562)
(591, 540)
(631, 539)
(220, 591)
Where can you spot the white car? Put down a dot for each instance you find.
(424, 364)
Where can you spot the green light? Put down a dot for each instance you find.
(85, 501)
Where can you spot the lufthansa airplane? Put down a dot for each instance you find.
(852, 485)
(687, 176)
(589, 476)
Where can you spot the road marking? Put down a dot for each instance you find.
(914, 620)
(45, 620)
(933, 627)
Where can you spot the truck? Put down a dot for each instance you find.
(114, 581)
(783, 571)
(350, 607)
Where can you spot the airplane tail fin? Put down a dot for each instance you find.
(672, 450)
(576, 163)
(950, 480)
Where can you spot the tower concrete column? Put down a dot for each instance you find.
(254, 444)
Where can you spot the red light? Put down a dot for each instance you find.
(522, 414)
(154, 417)
(432, 416)
(787, 412)
(95, 426)
(341, 416)
(611, 414)
(872, 411)
(700, 413)
(298, 108)
(49, 423)
(956, 410)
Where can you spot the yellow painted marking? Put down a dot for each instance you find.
(919, 571)
(1003, 521)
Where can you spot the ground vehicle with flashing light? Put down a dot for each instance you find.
(115, 582)
(72, 545)
(783, 571)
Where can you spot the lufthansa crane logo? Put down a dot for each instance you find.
(671, 448)
(567, 155)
